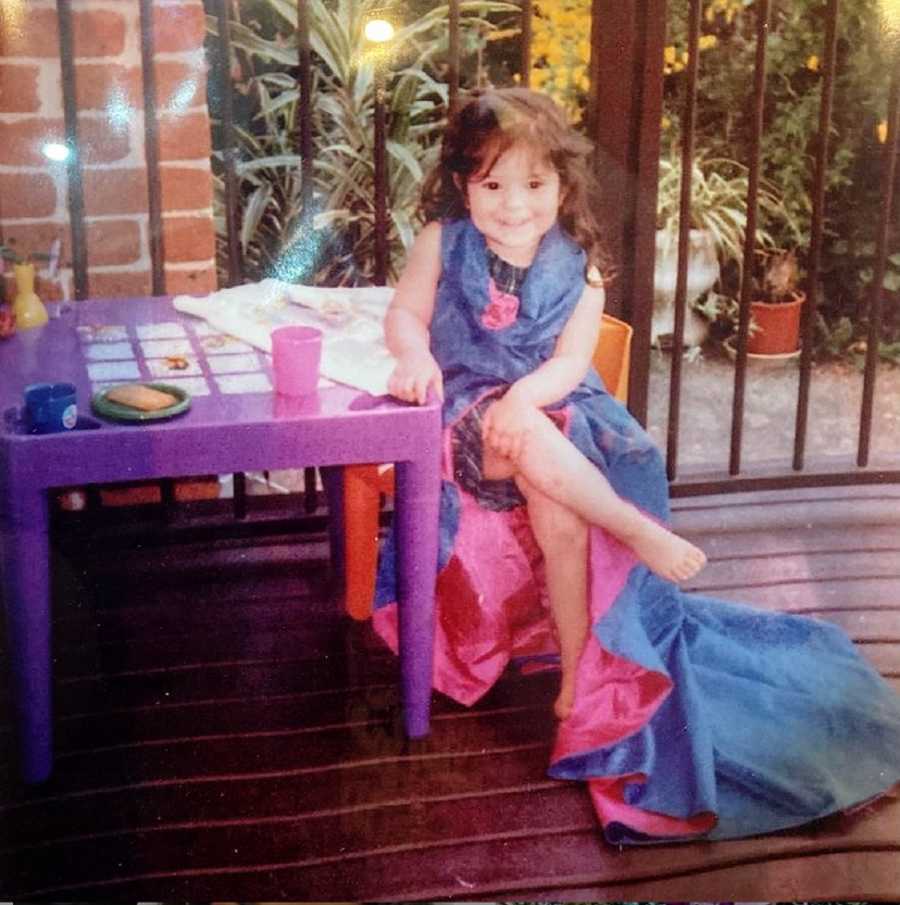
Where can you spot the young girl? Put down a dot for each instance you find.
(516, 183)
(498, 311)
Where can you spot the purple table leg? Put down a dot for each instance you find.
(26, 592)
(417, 496)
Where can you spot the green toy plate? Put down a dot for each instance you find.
(117, 412)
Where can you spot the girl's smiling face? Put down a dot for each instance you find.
(514, 203)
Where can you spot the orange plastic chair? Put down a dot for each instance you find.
(364, 484)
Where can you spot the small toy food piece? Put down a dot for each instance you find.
(177, 363)
(137, 396)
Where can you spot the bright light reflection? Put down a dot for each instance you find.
(119, 112)
(182, 97)
(379, 30)
(53, 150)
(890, 15)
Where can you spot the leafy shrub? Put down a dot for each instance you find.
(334, 243)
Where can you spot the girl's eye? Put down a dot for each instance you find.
(491, 185)
(535, 184)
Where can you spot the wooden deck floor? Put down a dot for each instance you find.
(224, 735)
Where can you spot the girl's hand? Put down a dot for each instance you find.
(412, 377)
(506, 425)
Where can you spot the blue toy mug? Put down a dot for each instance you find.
(50, 407)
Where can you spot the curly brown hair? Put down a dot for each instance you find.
(488, 125)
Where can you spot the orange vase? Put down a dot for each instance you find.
(27, 307)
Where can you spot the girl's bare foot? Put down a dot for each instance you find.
(667, 554)
(565, 701)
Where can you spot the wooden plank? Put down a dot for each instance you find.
(828, 511)
(234, 709)
(858, 876)
(819, 597)
(798, 541)
(793, 567)
(315, 839)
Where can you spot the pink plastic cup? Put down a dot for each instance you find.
(296, 353)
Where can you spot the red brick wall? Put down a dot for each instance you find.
(33, 206)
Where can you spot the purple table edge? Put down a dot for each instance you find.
(240, 433)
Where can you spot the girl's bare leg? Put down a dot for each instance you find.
(551, 464)
(563, 538)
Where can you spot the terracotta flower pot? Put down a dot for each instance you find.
(778, 326)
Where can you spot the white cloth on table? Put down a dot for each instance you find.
(351, 321)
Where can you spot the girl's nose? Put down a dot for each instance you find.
(514, 198)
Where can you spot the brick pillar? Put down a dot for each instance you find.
(111, 131)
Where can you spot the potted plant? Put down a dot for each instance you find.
(777, 305)
(716, 238)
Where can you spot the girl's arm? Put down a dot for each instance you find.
(408, 319)
(504, 422)
(572, 357)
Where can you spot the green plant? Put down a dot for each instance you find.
(776, 276)
(718, 204)
(794, 80)
(334, 242)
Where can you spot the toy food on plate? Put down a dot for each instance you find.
(141, 397)
(177, 363)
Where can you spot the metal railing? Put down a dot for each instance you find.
(624, 120)
(838, 472)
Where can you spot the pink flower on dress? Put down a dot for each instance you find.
(501, 310)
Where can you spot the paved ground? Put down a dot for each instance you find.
(770, 410)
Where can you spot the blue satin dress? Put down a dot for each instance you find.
(693, 716)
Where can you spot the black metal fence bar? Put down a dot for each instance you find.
(525, 63)
(453, 53)
(151, 151)
(817, 230)
(381, 176)
(232, 203)
(837, 473)
(688, 126)
(876, 291)
(759, 99)
(154, 190)
(304, 81)
(232, 213)
(75, 197)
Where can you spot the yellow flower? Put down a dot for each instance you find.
(881, 131)
(539, 77)
(707, 41)
(665, 122)
(669, 55)
(812, 63)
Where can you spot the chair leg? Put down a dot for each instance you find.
(361, 502)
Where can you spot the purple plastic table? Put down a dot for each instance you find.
(224, 431)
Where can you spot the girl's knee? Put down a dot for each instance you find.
(555, 526)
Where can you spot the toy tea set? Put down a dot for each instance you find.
(52, 407)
